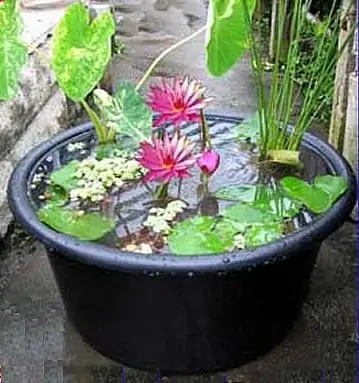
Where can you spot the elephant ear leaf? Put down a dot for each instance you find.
(81, 50)
(13, 53)
(227, 34)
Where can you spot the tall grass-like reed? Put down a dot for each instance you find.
(276, 109)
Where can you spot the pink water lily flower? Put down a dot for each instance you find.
(178, 103)
(167, 158)
(209, 162)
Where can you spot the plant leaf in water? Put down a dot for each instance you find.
(80, 50)
(66, 176)
(87, 226)
(314, 198)
(109, 151)
(248, 129)
(243, 193)
(227, 34)
(13, 54)
(57, 195)
(197, 236)
(262, 234)
(248, 215)
(335, 186)
(127, 113)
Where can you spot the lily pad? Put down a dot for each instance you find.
(80, 50)
(262, 234)
(13, 53)
(56, 195)
(66, 176)
(333, 185)
(227, 34)
(314, 198)
(197, 236)
(87, 226)
(248, 215)
(244, 193)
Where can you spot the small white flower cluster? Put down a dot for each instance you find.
(159, 218)
(239, 241)
(142, 248)
(95, 177)
(75, 146)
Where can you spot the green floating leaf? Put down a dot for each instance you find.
(313, 197)
(248, 215)
(56, 195)
(227, 35)
(198, 235)
(13, 54)
(127, 113)
(262, 234)
(80, 50)
(87, 226)
(333, 185)
(244, 193)
(66, 176)
(248, 130)
(261, 197)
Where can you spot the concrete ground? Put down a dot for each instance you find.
(38, 345)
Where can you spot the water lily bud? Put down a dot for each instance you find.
(209, 162)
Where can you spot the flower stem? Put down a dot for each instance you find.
(162, 191)
(206, 139)
(165, 53)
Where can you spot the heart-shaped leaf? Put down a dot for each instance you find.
(199, 235)
(66, 176)
(87, 226)
(248, 215)
(80, 50)
(314, 198)
(13, 54)
(227, 34)
(333, 185)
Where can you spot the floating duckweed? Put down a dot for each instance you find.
(97, 176)
(159, 219)
(239, 241)
(75, 146)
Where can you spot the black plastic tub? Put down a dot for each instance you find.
(182, 315)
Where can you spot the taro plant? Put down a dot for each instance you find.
(142, 143)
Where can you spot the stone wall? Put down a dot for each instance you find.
(38, 111)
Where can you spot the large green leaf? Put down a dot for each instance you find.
(66, 176)
(261, 234)
(227, 34)
(13, 54)
(248, 215)
(81, 51)
(314, 198)
(87, 226)
(333, 185)
(200, 235)
(127, 113)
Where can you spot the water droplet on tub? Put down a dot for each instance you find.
(190, 274)
(226, 260)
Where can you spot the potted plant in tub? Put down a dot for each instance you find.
(173, 247)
